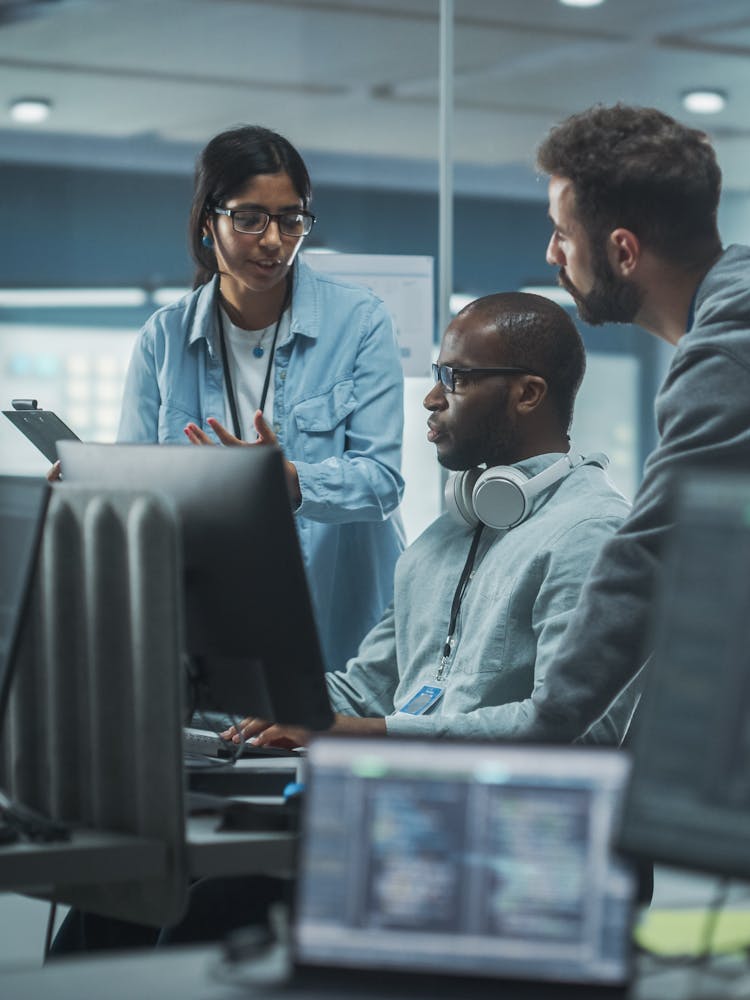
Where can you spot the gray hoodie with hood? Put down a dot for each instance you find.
(703, 415)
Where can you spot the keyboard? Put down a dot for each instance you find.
(209, 744)
(203, 741)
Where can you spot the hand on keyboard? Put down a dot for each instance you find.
(267, 735)
(203, 741)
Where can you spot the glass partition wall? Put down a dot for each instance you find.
(418, 121)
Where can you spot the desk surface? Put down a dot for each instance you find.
(89, 856)
(212, 852)
(92, 856)
(196, 974)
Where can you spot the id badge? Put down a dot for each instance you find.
(423, 700)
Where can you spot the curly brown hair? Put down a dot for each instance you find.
(639, 169)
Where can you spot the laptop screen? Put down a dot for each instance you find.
(464, 859)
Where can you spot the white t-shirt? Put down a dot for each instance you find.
(248, 372)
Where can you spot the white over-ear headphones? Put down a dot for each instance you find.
(502, 496)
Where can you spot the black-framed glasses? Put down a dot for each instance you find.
(255, 222)
(446, 375)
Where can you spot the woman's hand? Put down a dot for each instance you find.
(53, 473)
(197, 435)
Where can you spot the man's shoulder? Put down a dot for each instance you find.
(587, 495)
(444, 530)
(722, 303)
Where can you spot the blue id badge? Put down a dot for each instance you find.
(423, 700)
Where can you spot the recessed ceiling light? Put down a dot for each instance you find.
(704, 102)
(30, 110)
(581, 3)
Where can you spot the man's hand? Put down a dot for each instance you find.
(264, 734)
(196, 435)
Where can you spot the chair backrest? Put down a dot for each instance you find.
(93, 735)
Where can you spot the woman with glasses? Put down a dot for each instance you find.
(267, 351)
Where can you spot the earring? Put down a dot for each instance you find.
(207, 241)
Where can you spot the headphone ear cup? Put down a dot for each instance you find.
(458, 493)
(499, 497)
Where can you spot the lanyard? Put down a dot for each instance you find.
(458, 596)
(225, 361)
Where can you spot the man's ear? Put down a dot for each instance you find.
(623, 251)
(529, 392)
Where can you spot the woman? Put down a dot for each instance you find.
(264, 350)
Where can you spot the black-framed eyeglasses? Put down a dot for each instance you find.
(446, 375)
(254, 222)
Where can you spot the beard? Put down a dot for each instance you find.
(489, 445)
(611, 299)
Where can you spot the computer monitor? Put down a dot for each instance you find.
(23, 502)
(688, 801)
(251, 639)
(463, 859)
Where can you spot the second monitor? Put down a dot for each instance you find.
(251, 637)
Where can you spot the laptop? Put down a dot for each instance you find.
(422, 860)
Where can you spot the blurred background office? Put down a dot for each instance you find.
(104, 105)
(418, 120)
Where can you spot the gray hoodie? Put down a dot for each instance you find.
(703, 415)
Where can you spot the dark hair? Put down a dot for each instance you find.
(642, 170)
(538, 334)
(229, 160)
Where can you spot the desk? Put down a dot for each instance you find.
(93, 857)
(236, 852)
(190, 974)
(89, 856)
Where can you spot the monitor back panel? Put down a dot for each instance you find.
(688, 801)
(246, 593)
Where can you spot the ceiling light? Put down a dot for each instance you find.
(704, 102)
(581, 3)
(30, 110)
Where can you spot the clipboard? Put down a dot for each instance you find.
(42, 427)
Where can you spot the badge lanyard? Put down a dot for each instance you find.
(269, 365)
(457, 598)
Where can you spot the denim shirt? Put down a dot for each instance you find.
(522, 592)
(337, 414)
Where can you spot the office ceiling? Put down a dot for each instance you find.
(354, 83)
